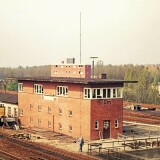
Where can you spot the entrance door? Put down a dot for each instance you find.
(106, 129)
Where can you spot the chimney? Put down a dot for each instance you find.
(103, 76)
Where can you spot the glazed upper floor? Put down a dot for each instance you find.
(73, 87)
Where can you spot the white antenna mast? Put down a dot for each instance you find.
(80, 37)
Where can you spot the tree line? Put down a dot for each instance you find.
(145, 91)
(8, 75)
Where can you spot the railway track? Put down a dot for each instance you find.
(7, 156)
(140, 117)
(23, 149)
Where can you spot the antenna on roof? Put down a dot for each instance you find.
(80, 37)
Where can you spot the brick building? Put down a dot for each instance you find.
(72, 106)
(71, 70)
(9, 101)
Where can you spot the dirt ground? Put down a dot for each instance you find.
(68, 143)
(140, 130)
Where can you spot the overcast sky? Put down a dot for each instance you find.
(43, 32)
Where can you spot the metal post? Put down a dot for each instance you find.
(93, 66)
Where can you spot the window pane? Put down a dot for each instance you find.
(104, 93)
(114, 92)
(109, 93)
(94, 93)
(89, 93)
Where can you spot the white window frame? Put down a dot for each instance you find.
(31, 107)
(15, 112)
(109, 93)
(114, 93)
(97, 93)
(70, 113)
(116, 123)
(21, 113)
(39, 108)
(60, 126)
(70, 128)
(49, 124)
(60, 111)
(102, 93)
(39, 121)
(96, 125)
(9, 111)
(38, 88)
(49, 110)
(62, 90)
(87, 93)
(20, 87)
(31, 119)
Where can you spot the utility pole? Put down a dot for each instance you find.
(93, 66)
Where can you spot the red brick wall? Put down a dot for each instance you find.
(101, 111)
(71, 71)
(84, 112)
(80, 119)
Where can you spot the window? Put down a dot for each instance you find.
(94, 93)
(60, 111)
(105, 124)
(102, 93)
(20, 87)
(70, 128)
(116, 123)
(60, 126)
(49, 110)
(108, 93)
(31, 106)
(80, 72)
(9, 111)
(21, 112)
(39, 108)
(99, 93)
(15, 112)
(70, 113)
(114, 93)
(62, 90)
(87, 93)
(39, 121)
(31, 120)
(96, 125)
(38, 88)
(49, 124)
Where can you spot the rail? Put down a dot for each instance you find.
(40, 150)
(124, 144)
(6, 155)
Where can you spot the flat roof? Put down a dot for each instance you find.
(74, 80)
